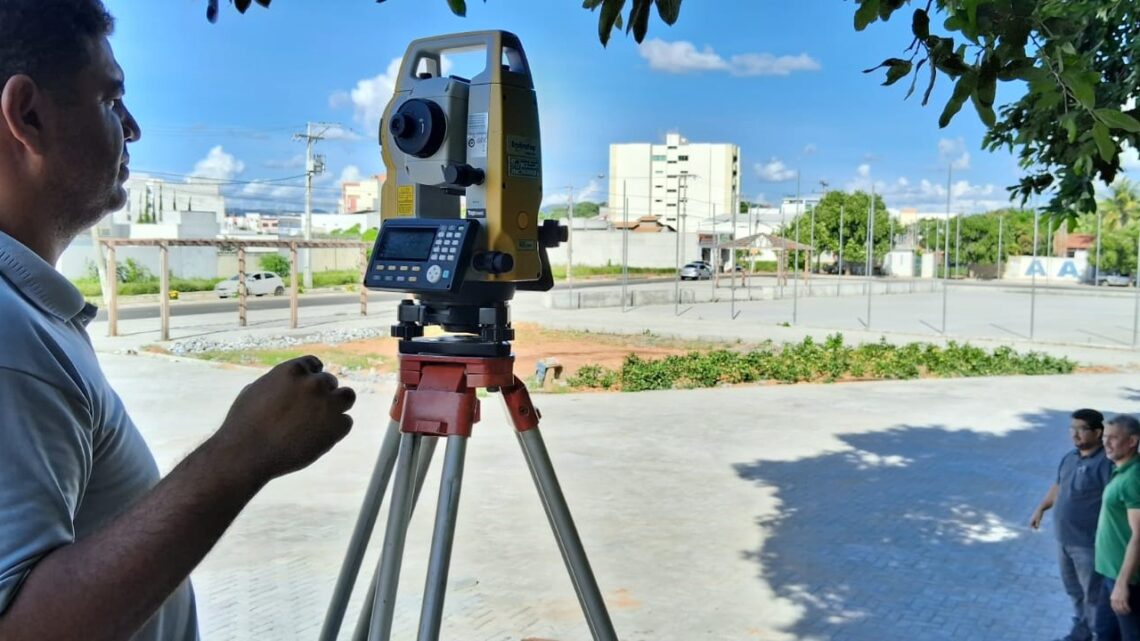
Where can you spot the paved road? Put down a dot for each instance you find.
(199, 307)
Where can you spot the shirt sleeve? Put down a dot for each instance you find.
(45, 463)
(1130, 495)
(1104, 471)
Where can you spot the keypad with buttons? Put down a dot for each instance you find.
(436, 269)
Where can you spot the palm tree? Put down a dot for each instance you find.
(1122, 207)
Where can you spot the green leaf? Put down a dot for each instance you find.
(1118, 120)
(888, 7)
(897, 72)
(669, 10)
(1070, 124)
(1104, 142)
(242, 5)
(889, 62)
(962, 90)
(609, 18)
(866, 13)
(920, 24)
(639, 19)
(1083, 86)
(591, 4)
(914, 79)
(458, 7)
(985, 111)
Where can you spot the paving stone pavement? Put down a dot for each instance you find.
(863, 511)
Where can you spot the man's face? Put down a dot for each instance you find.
(88, 156)
(1084, 437)
(1118, 445)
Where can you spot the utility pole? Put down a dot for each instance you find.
(815, 250)
(1001, 220)
(678, 222)
(839, 272)
(570, 245)
(946, 250)
(314, 165)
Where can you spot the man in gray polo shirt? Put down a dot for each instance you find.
(93, 545)
(1076, 494)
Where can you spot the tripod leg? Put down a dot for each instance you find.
(554, 502)
(427, 448)
(399, 514)
(442, 539)
(374, 496)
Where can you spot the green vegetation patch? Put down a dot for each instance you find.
(812, 361)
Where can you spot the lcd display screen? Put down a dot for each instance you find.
(406, 244)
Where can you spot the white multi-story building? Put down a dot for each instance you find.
(678, 178)
(150, 199)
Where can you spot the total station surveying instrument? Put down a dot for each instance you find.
(442, 138)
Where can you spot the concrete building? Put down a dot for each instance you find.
(656, 176)
(361, 195)
(150, 199)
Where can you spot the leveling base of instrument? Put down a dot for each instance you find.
(436, 400)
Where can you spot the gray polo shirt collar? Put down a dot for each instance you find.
(41, 284)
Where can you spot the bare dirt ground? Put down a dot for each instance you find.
(572, 349)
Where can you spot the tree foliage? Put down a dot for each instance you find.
(1075, 59)
(850, 209)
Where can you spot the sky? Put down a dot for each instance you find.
(780, 79)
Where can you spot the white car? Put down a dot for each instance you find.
(256, 284)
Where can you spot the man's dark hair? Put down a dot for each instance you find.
(1092, 418)
(1127, 423)
(48, 39)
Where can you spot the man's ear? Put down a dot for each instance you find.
(20, 103)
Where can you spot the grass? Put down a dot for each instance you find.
(595, 271)
(90, 288)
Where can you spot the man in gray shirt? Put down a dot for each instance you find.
(93, 545)
(1076, 495)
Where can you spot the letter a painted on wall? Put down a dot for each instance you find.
(1035, 269)
(1068, 269)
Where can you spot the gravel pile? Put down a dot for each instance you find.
(249, 342)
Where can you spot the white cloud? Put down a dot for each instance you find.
(680, 57)
(930, 196)
(592, 192)
(296, 162)
(369, 98)
(218, 165)
(774, 171)
(338, 132)
(1129, 159)
(765, 64)
(684, 57)
(953, 152)
(350, 174)
(271, 191)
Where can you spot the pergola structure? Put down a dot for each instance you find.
(778, 244)
(164, 246)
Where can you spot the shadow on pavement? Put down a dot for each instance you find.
(920, 532)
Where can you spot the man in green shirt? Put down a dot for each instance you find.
(1118, 535)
